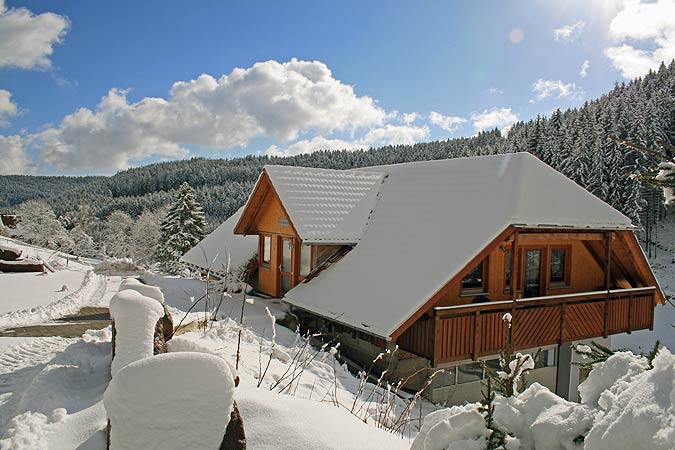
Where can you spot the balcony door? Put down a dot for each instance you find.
(532, 275)
(286, 266)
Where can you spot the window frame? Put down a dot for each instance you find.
(470, 292)
(261, 251)
(567, 282)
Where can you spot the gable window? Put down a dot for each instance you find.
(559, 275)
(266, 250)
(474, 281)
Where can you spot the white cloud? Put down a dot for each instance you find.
(386, 135)
(277, 100)
(448, 123)
(27, 39)
(493, 91)
(7, 107)
(409, 118)
(652, 26)
(493, 118)
(569, 33)
(557, 89)
(584, 68)
(13, 158)
(516, 36)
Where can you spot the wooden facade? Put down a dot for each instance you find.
(267, 218)
(559, 285)
(607, 288)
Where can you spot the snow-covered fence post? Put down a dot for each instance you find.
(149, 402)
(164, 327)
(134, 319)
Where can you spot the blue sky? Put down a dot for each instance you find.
(367, 73)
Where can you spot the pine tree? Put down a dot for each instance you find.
(182, 228)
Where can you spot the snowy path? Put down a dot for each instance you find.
(91, 292)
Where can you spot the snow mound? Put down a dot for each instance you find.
(455, 428)
(541, 420)
(638, 411)
(276, 421)
(170, 401)
(135, 318)
(619, 369)
(148, 291)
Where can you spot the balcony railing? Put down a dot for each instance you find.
(471, 331)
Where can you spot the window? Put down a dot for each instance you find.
(469, 372)
(559, 275)
(266, 250)
(507, 276)
(473, 282)
(544, 358)
(305, 260)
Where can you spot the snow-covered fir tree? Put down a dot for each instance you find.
(182, 228)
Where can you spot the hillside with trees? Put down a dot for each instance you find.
(575, 141)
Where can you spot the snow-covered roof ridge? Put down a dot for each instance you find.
(429, 220)
(326, 205)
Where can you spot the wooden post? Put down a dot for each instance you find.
(476, 335)
(630, 313)
(515, 275)
(437, 344)
(608, 258)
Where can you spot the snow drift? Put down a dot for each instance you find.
(625, 406)
(172, 401)
(148, 291)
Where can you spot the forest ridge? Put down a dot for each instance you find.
(575, 142)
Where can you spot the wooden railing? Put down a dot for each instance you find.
(471, 331)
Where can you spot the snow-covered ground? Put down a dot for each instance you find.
(51, 389)
(27, 290)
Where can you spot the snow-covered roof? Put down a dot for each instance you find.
(212, 251)
(431, 218)
(324, 205)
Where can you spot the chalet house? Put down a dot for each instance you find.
(429, 256)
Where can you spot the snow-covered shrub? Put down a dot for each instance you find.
(174, 401)
(619, 368)
(455, 428)
(135, 317)
(116, 266)
(539, 419)
(637, 412)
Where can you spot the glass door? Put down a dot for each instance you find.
(532, 284)
(286, 267)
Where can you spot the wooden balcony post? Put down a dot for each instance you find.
(515, 275)
(476, 335)
(608, 258)
(630, 313)
(436, 352)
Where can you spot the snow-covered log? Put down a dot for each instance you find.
(22, 265)
(134, 319)
(173, 401)
(9, 253)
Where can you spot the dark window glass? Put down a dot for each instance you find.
(507, 276)
(493, 364)
(469, 372)
(473, 281)
(558, 266)
(545, 358)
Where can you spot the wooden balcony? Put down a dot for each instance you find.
(457, 333)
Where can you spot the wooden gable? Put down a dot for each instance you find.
(264, 212)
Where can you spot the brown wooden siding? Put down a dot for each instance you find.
(467, 332)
